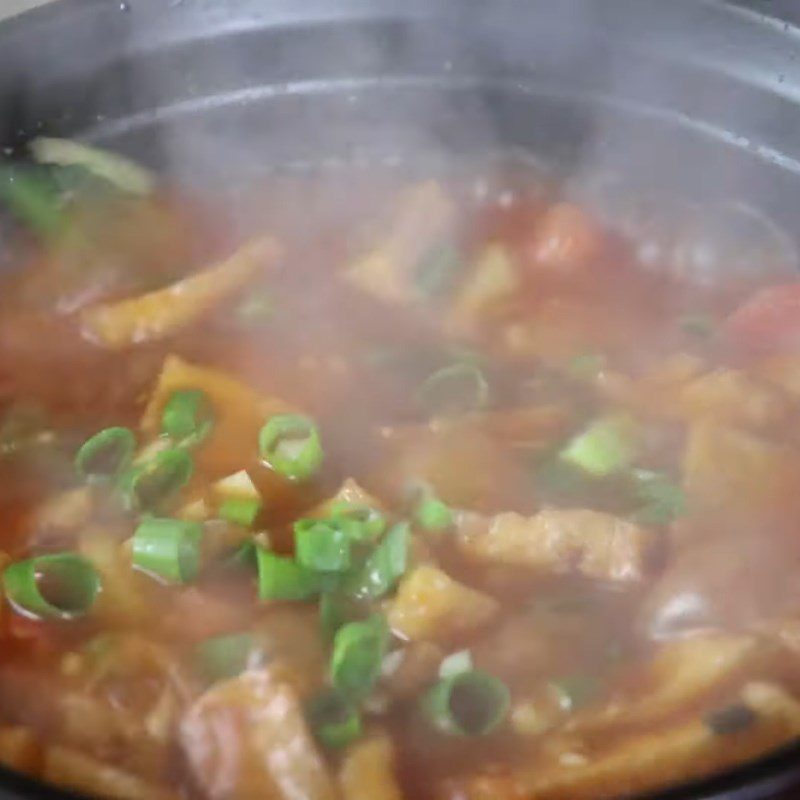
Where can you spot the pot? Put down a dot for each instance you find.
(697, 96)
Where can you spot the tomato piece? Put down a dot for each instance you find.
(567, 240)
(769, 320)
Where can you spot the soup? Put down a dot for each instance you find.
(441, 492)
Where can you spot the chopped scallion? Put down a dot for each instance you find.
(188, 416)
(240, 510)
(607, 446)
(358, 652)
(290, 444)
(106, 455)
(58, 586)
(281, 578)
(471, 703)
(168, 549)
(662, 501)
(432, 515)
(334, 720)
(384, 567)
(152, 484)
(457, 389)
(323, 545)
(371, 522)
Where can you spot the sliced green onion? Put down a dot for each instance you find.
(734, 718)
(240, 510)
(154, 483)
(323, 545)
(243, 557)
(34, 198)
(106, 455)
(334, 720)
(58, 586)
(223, 657)
(471, 703)
(438, 269)
(117, 170)
(662, 501)
(384, 567)
(607, 446)
(457, 389)
(168, 549)
(291, 445)
(371, 522)
(188, 416)
(455, 664)
(432, 515)
(575, 691)
(281, 578)
(358, 652)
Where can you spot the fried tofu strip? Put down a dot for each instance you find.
(681, 674)
(424, 217)
(247, 739)
(559, 542)
(70, 768)
(368, 771)
(156, 315)
(431, 606)
(684, 752)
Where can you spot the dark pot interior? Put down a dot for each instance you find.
(693, 96)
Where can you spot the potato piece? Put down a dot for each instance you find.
(154, 316)
(686, 751)
(431, 606)
(559, 542)
(424, 218)
(240, 414)
(735, 472)
(730, 396)
(19, 749)
(494, 278)
(247, 739)
(350, 492)
(70, 768)
(368, 771)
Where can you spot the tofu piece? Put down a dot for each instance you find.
(682, 673)
(559, 542)
(730, 396)
(424, 217)
(368, 771)
(247, 739)
(432, 606)
(73, 769)
(154, 316)
(686, 751)
(738, 473)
